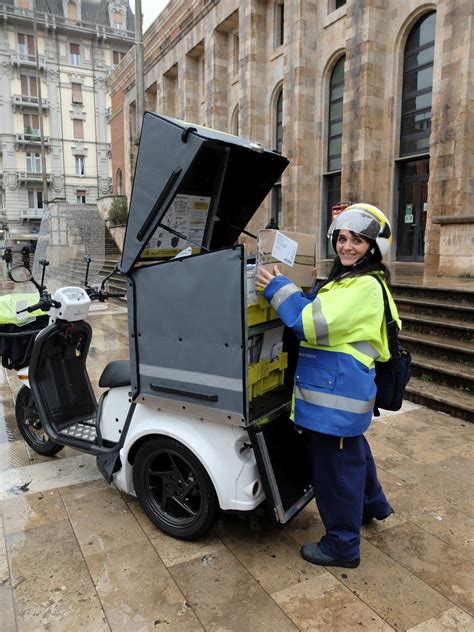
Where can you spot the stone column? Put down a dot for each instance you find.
(364, 174)
(217, 75)
(254, 101)
(300, 189)
(451, 184)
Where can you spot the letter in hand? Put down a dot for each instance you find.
(263, 276)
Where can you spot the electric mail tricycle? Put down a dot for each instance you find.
(191, 423)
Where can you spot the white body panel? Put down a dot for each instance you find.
(74, 302)
(221, 448)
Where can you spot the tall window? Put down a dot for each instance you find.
(80, 163)
(77, 93)
(336, 94)
(117, 21)
(417, 87)
(119, 182)
(279, 23)
(31, 124)
(74, 54)
(33, 162)
(35, 198)
(80, 196)
(413, 165)
(117, 57)
(276, 204)
(332, 180)
(29, 87)
(72, 11)
(26, 47)
(78, 129)
(235, 54)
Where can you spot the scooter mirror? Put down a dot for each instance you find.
(19, 274)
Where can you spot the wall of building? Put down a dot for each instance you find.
(191, 73)
(99, 49)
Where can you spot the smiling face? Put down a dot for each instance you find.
(350, 247)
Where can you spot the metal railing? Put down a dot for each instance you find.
(31, 213)
(34, 176)
(25, 59)
(30, 139)
(57, 21)
(23, 100)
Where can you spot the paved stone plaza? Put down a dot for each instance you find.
(76, 554)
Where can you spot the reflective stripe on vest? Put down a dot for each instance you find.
(336, 402)
(282, 294)
(320, 324)
(366, 348)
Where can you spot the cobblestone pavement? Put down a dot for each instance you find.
(76, 554)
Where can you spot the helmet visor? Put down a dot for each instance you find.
(358, 221)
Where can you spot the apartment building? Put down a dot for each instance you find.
(56, 82)
(371, 101)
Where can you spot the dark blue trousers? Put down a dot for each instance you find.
(347, 491)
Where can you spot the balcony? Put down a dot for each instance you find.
(24, 103)
(24, 59)
(26, 140)
(32, 176)
(31, 213)
(54, 22)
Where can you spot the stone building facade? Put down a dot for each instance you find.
(371, 100)
(78, 44)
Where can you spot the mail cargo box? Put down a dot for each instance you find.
(295, 259)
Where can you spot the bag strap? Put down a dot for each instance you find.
(392, 326)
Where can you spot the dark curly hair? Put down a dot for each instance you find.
(370, 262)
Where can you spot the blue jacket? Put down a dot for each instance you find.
(342, 332)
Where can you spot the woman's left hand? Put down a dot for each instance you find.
(263, 276)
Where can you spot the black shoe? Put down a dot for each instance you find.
(368, 519)
(312, 553)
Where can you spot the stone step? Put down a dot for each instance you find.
(443, 348)
(448, 400)
(444, 372)
(445, 327)
(433, 294)
(438, 309)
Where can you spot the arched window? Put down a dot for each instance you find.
(234, 123)
(417, 87)
(276, 204)
(415, 128)
(119, 182)
(332, 180)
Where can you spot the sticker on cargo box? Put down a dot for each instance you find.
(284, 249)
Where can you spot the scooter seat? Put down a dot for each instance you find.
(116, 373)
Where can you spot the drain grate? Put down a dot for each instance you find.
(81, 431)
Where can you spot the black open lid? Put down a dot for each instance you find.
(175, 157)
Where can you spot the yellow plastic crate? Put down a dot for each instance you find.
(260, 312)
(266, 375)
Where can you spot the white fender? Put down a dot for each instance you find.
(223, 450)
(23, 375)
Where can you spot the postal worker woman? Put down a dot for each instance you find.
(342, 332)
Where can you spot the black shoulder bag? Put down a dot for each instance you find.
(391, 377)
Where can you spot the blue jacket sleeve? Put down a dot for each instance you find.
(288, 300)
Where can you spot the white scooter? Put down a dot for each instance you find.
(177, 425)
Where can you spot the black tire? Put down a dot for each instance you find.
(174, 489)
(30, 426)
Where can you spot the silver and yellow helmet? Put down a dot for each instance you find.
(365, 220)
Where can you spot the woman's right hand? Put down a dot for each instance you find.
(264, 276)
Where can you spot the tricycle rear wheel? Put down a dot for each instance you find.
(174, 489)
(29, 424)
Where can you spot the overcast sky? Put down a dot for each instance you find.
(150, 9)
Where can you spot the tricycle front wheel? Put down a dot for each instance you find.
(30, 426)
(174, 489)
